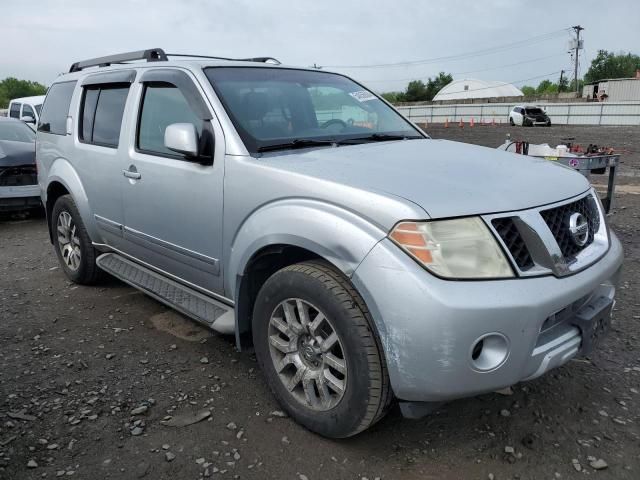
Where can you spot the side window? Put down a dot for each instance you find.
(162, 105)
(101, 114)
(56, 108)
(28, 111)
(14, 112)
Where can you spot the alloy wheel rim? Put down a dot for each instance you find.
(307, 354)
(68, 241)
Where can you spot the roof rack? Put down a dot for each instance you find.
(252, 59)
(151, 55)
(155, 55)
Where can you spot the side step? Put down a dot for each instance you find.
(214, 314)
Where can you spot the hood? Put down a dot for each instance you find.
(446, 179)
(14, 154)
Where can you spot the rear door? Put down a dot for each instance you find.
(100, 149)
(173, 204)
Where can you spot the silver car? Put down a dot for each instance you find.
(295, 209)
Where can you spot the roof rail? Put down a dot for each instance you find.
(150, 55)
(155, 55)
(253, 59)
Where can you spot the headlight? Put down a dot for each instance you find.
(458, 248)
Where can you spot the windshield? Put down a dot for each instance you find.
(534, 111)
(278, 106)
(16, 131)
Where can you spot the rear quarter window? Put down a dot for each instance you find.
(55, 109)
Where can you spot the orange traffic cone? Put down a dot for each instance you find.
(446, 122)
(472, 123)
(461, 124)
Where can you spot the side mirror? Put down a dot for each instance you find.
(182, 138)
(28, 119)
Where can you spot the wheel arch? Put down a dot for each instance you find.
(291, 232)
(64, 180)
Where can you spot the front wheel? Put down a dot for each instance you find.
(314, 340)
(72, 243)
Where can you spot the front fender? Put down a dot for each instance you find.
(62, 171)
(338, 235)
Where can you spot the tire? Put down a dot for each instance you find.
(511, 122)
(82, 270)
(319, 289)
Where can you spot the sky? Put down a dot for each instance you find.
(520, 42)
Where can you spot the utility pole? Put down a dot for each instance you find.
(560, 82)
(577, 29)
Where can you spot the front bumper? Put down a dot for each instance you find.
(428, 327)
(20, 197)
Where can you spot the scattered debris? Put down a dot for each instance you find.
(598, 464)
(186, 419)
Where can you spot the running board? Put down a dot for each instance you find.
(214, 314)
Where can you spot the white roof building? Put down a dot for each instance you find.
(470, 88)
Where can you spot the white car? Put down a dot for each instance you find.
(528, 116)
(26, 109)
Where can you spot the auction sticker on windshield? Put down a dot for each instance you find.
(363, 96)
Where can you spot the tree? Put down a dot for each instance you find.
(418, 91)
(547, 87)
(528, 91)
(609, 65)
(11, 88)
(391, 97)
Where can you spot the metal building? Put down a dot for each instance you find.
(613, 90)
(470, 88)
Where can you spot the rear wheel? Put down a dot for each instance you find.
(314, 341)
(72, 243)
(511, 122)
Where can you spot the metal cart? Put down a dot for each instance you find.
(585, 163)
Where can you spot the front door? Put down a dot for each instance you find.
(173, 203)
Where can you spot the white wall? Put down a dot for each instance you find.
(605, 113)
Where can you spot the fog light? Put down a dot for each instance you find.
(489, 352)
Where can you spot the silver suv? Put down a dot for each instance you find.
(293, 208)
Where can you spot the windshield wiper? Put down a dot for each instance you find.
(297, 143)
(379, 137)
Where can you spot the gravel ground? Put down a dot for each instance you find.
(87, 376)
(626, 140)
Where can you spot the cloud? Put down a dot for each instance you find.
(46, 36)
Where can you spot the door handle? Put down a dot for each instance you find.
(132, 173)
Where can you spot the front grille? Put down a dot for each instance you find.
(511, 237)
(18, 176)
(557, 220)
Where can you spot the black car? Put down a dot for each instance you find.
(19, 188)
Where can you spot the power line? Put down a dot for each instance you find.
(469, 71)
(462, 56)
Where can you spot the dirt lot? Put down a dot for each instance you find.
(88, 374)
